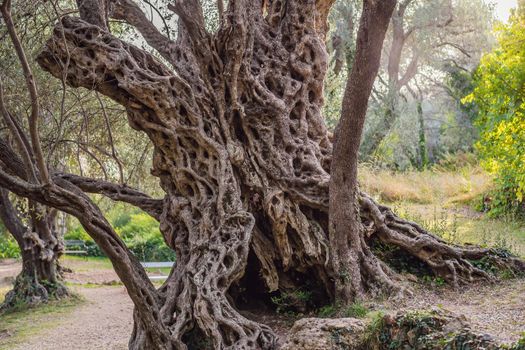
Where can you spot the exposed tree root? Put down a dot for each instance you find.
(451, 262)
(243, 155)
(30, 292)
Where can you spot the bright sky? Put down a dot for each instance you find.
(502, 8)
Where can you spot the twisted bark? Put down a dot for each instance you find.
(40, 248)
(244, 157)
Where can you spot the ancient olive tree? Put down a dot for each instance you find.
(40, 248)
(244, 158)
(32, 225)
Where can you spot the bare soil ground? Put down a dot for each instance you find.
(9, 268)
(105, 320)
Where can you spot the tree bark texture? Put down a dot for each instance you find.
(355, 267)
(40, 249)
(243, 156)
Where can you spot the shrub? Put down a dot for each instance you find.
(356, 310)
(499, 96)
(138, 230)
(8, 247)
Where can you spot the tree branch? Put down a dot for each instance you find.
(68, 198)
(8, 215)
(94, 12)
(33, 93)
(130, 12)
(190, 13)
(410, 71)
(116, 192)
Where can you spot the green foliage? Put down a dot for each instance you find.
(499, 93)
(139, 231)
(327, 311)
(292, 302)
(356, 310)
(8, 247)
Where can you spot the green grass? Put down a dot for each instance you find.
(94, 285)
(355, 310)
(87, 263)
(83, 264)
(26, 323)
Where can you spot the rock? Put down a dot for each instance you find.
(325, 334)
(454, 325)
(410, 277)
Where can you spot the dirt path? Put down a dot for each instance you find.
(9, 268)
(104, 322)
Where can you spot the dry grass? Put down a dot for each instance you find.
(442, 201)
(425, 187)
(3, 292)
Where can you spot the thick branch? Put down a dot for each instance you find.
(10, 218)
(66, 197)
(116, 192)
(94, 12)
(190, 13)
(130, 12)
(9, 158)
(31, 86)
(410, 71)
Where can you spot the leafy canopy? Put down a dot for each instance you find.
(499, 93)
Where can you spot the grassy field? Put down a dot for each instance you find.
(443, 201)
(87, 263)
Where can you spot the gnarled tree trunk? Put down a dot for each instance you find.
(40, 249)
(244, 157)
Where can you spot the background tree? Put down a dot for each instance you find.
(78, 134)
(498, 97)
(429, 44)
(243, 157)
(34, 230)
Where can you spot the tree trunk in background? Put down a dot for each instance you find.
(423, 159)
(40, 249)
(396, 80)
(356, 269)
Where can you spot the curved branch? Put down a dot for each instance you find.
(5, 8)
(8, 215)
(130, 12)
(410, 71)
(190, 13)
(116, 192)
(68, 198)
(14, 165)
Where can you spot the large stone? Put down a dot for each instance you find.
(325, 334)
